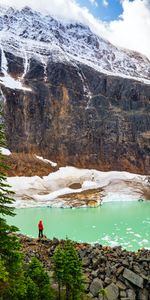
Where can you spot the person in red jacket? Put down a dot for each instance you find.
(40, 227)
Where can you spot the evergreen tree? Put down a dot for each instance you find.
(72, 272)
(8, 242)
(40, 278)
(15, 282)
(10, 256)
(58, 258)
(68, 270)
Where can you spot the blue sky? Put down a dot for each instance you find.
(105, 10)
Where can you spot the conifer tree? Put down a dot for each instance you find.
(9, 244)
(68, 270)
(72, 272)
(58, 259)
(39, 277)
(15, 282)
(10, 256)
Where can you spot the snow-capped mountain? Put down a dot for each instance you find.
(71, 96)
(29, 34)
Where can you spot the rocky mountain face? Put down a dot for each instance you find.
(71, 96)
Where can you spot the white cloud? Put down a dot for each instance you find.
(105, 3)
(94, 2)
(131, 30)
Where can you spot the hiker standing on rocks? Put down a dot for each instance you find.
(40, 227)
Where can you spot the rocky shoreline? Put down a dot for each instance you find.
(118, 273)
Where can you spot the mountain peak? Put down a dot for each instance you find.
(35, 34)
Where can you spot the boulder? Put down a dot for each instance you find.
(131, 294)
(143, 294)
(95, 286)
(123, 294)
(112, 292)
(121, 285)
(85, 261)
(119, 270)
(107, 280)
(133, 278)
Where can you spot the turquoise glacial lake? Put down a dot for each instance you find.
(114, 223)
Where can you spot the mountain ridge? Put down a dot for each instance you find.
(27, 33)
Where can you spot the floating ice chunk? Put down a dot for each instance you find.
(144, 241)
(137, 235)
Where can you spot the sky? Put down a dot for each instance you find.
(125, 23)
(105, 10)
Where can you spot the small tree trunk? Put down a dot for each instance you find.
(67, 292)
(59, 294)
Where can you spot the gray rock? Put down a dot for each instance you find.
(121, 285)
(85, 261)
(123, 294)
(112, 292)
(125, 263)
(114, 280)
(136, 269)
(131, 294)
(143, 294)
(107, 280)
(119, 270)
(102, 269)
(108, 270)
(55, 241)
(95, 273)
(90, 296)
(96, 252)
(95, 286)
(82, 253)
(128, 284)
(96, 262)
(133, 277)
(100, 297)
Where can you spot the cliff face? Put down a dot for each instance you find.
(59, 104)
(77, 116)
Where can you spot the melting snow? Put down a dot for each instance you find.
(7, 80)
(5, 151)
(37, 191)
(53, 164)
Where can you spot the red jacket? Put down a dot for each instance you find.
(40, 225)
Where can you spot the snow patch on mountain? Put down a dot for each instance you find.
(6, 79)
(4, 151)
(52, 163)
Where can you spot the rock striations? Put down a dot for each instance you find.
(71, 96)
